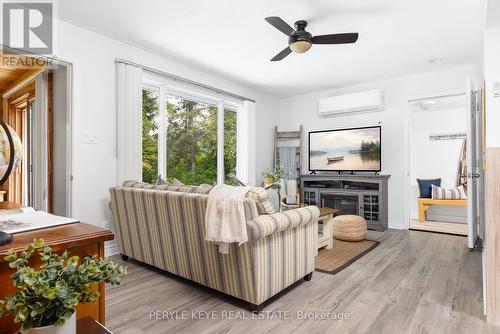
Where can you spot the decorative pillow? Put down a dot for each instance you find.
(202, 189)
(160, 181)
(275, 198)
(425, 186)
(185, 189)
(137, 184)
(176, 182)
(261, 198)
(237, 182)
(454, 193)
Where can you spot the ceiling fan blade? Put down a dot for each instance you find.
(282, 54)
(281, 25)
(336, 38)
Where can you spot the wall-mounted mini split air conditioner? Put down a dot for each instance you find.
(368, 101)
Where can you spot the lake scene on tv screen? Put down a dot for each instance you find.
(351, 149)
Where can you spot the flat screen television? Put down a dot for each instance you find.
(355, 149)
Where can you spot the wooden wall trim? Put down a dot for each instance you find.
(14, 116)
(492, 235)
(22, 81)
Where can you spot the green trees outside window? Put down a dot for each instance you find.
(149, 135)
(191, 140)
(230, 145)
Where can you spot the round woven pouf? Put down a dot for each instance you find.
(349, 228)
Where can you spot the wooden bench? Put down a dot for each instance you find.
(425, 203)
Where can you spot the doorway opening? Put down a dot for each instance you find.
(36, 105)
(438, 164)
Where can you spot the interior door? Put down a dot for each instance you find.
(480, 104)
(472, 166)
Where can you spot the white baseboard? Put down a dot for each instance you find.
(398, 226)
(445, 218)
(111, 248)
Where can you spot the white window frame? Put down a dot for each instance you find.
(163, 88)
(161, 126)
(220, 143)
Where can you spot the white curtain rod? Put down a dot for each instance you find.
(183, 80)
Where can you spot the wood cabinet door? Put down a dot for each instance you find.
(94, 310)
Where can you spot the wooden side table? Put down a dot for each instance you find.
(88, 325)
(78, 239)
(286, 207)
(325, 238)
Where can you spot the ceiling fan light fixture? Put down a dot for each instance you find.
(435, 60)
(300, 40)
(300, 46)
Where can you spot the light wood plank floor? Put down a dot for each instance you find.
(442, 227)
(413, 282)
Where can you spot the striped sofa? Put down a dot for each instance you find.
(166, 229)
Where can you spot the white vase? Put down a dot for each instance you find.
(69, 327)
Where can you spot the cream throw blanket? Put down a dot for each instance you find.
(225, 217)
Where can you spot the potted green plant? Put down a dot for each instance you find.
(272, 175)
(46, 298)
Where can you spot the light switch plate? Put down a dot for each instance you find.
(91, 139)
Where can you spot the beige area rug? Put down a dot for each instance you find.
(342, 255)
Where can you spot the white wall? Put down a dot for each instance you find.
(302, 109)
(94, 111)
(431, 159)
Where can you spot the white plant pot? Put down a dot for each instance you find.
(69, 327)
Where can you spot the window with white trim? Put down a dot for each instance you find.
(191, 135)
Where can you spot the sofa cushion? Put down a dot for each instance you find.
(202, 189)
(262, 200)
(178, 183)
(453, 193)
(425, 186)
(275, 198)
(138, 184)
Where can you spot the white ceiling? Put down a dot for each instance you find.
(231, 38)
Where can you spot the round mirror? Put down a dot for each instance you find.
(11, 151)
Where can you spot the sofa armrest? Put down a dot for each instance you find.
(265, 225)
